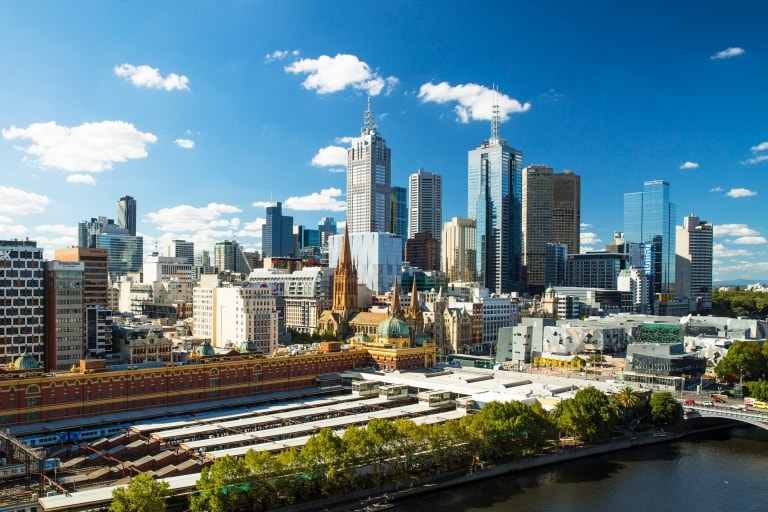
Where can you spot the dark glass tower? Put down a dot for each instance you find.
(126, 214)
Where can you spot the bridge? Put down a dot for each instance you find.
(751, 416)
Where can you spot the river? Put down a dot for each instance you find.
(719, 471)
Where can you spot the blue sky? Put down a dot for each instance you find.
(205, 111)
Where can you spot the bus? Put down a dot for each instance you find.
(470, 360)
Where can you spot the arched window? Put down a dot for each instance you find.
(33, 389)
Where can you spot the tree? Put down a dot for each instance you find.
(143, 494)
(627, 399)
(758, 390)
(665, 409)
(589, 415)
(745, 359)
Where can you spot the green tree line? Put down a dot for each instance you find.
(736, 303)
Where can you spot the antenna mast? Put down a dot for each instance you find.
(368, 126)
(495, 117)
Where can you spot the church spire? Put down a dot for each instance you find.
(345, 259)
(413, 309)
(395, 300)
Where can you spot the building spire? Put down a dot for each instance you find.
(495, 117)
(413, 308)
(345, 259)
(395, 300)
(368, 126)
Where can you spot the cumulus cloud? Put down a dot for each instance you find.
(750, 240)
(20, 202)
(185, 143)
(324, 200)
(84, 179)
(733, 230)
(473, 102)
(716, 189)
(763, 146)
(344, 140)
(587, 238)
(149, 77)
(690, 165)
(755, 159)
(721, 251)
(262, 204)
(10, 229)
(90, 147)
(186, 218)
(280, 55)
(740, 192)
(733, 51)
(332, 74)
(330, 156)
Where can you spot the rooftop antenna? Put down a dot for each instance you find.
(368, 126)
(495, 117)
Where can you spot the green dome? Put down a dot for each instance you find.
(26, 361)
(392, 327)
(248, 346)
(205, 349)
(362, 338)
(421, 339)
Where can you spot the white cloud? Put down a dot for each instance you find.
(251, 229)
(84, 179)
(185, 218)
(475, 102)
(338, 170)
(280, 55)
(20, 202)
(330, 156)
(584, 225)
(11, 230)
(716, 189)
(344, 140)
(333, 74)
(763, 146)
(740, 192)
(733, 51)
(149, 77)
(750, 240)
(734, 230)
(324, 200)
(589, 239)
(755, 159)
(90, 147)
(185, 143)
(721, 251)
(690, 165)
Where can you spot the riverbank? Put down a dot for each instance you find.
(370, 500)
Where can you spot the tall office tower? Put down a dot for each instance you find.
(693, 265)
(182, 249)
(369, 181)
(22, 286)
(566, 214)
(126, 253)
(87, 230)
(326, 227)
(458, 255)
(277, 233)
(399, 212)
(95, 272)
(555, 258)
(64, 314)
(126, 214)
(203, 259)
(649, 219)
(425, 208)
(423, 251)
(228, 256)
(537, 223)
(494, 200)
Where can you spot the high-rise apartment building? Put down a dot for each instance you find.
(95, 272)
(399, 212)
(228, 257)
(693, 266)
(458, 255)
(64, 317)
(369, 181)
(126, 214)
(277, 233)
(551, 214)
(425, 205)
(182, 249)
(126, 251)
(22, 285)
(649, 219)
(494, 200)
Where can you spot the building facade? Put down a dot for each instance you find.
(126, 214)
(538, 223)
(423, 251)
(566, 212)
(182, 249)
(693, 268)
(458, 251)
(376, 256)
(369, 168)
(425, 204)
(277, 233)
(399, 212)
(494, 200)
(64, 333)
(95, 273)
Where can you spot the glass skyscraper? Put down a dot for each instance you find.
(494, 200)
(399, 212)
(649, 219)
(126, 214)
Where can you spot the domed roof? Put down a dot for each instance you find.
(362, 338)
(248, 346)
(421, 339)
(392, 327)
(26, 361)
(549, 292)
(205, 349)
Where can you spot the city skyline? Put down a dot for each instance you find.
(208, 115)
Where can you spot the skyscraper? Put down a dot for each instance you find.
(399, 212)
(425, 208)
(494, 200)
(326, 227)
(277, 233)
(182, 249)
(228, 256)
(126, 214)
(566, 213)
(95, 272)
(458, 249)
(369, 181)
(649, 219)
(693, 265)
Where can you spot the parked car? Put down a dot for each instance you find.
(707, 403)
(718, 400)
(739, 407)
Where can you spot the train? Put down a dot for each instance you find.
(18, 470)
(72, 436)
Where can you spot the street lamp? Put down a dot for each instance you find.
(682, 387)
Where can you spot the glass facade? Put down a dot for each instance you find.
(126, 252)
(649, 218)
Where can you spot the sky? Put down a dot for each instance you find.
(206, 112)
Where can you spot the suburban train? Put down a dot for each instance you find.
(17, 470)
(72, 436)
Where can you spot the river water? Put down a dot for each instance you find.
(719, 471)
